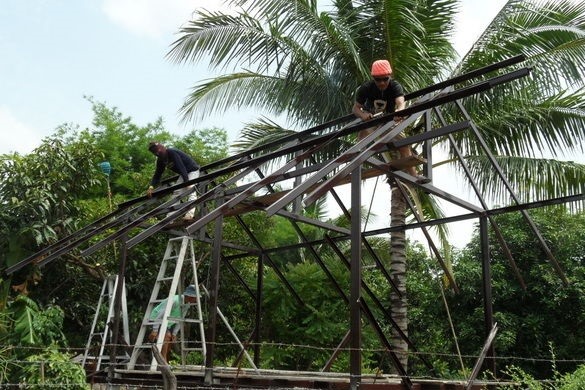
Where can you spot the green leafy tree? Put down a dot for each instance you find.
(305, 64)
(53, 368)
(26, 328)
(40, 195)
(546, 316)
(60, 187)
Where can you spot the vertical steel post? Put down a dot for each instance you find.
(259, 289)
(213, 296)
(117, 307)
(355, 360)
(487, 290)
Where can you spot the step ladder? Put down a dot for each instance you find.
(101, 328)
(179, 255)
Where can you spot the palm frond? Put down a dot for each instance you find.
(550, 34)
(513, 123)
(413, 35)
(532, 179)
(259, 133)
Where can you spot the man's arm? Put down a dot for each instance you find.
(399, 104)
(358, 110)
(160, 168)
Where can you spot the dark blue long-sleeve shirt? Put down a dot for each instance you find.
(177, 161)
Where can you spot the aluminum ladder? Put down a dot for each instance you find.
(179, 254)
(101, 328)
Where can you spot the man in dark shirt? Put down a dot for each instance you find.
(178, 162)
(382, 94)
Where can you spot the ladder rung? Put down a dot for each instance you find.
(107, 357)
(193, 320)
(190, 320)
(147, 345)
(165, 278)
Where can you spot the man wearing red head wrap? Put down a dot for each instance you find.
(382, 94)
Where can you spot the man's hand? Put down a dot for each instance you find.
(149, 191)
(152, 336)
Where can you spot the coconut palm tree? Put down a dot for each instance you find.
(302, 60)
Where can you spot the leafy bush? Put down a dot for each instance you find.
(52, 367)
(569, 381)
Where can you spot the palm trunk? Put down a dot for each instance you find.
(398, 275)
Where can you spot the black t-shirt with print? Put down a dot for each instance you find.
(374, 100)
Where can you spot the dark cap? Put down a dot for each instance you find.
(152, 145)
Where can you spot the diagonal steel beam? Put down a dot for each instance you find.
(253, 188)
(550, 256)
(374, 149)
(495, 226)
(349, 154)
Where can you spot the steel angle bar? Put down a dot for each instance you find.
(358, 160)
(70, 242)
(231, 245)
(362, 304)
(482, 355)
(252, 189)
(436, 191)
(469, 75)
(330, 166)
(377, 302)
(214, 193)
(496, 228)
(65, 241)
(287, 148)
(389, 349)
(439, 221)
(506, 78)
(435, 133)
(537, 204)
(427, 187)
(132, 224)
(143, 235)
(271, 262)
(457, 94)
(299, 137)
(285, 176)
(430, 240)
(311, 221)
(525, 214)
(366, 245)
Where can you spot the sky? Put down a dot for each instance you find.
(54, 54)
